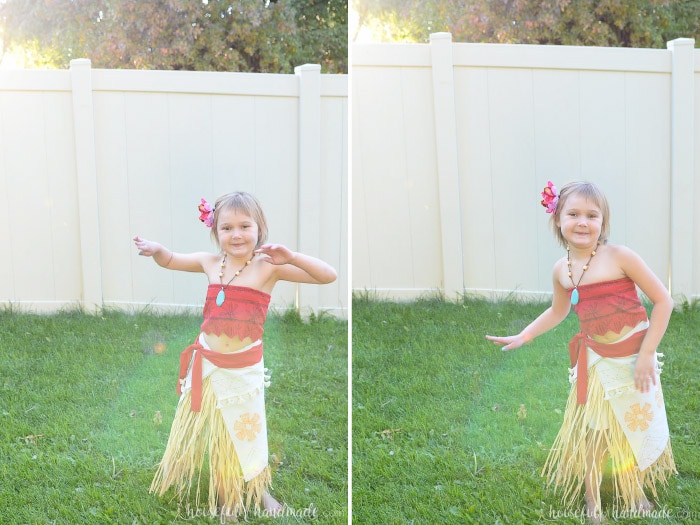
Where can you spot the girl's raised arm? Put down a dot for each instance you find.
(297, 267)
(187, 262)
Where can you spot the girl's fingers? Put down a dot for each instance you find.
(503, 343)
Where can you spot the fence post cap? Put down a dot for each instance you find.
(680, 42)
(440, 36)
(80, 62)
(307, 67)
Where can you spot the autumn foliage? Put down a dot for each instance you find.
(213, 35)
(612, 23)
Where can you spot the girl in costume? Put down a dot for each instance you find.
(616, 406)
(221, 409)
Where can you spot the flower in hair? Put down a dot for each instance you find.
(206, 213)
(550, 197)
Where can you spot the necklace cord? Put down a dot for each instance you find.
(585, 266)
(221, 296)
(223, 265)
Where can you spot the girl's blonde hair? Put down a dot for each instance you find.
(589, 191)
(243, 202)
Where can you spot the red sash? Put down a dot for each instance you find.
(579, 356)
(234, 360)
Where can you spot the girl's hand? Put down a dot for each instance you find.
(276, 254)
(645, 372)
(508, 342)
(146, 248)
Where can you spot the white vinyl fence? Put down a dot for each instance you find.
(452, 144)
(89, 158)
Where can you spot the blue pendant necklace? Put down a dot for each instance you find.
(221, 296)
(574, 292)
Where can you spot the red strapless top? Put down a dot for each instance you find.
(603, 307)
(609, 306)
(242, 314)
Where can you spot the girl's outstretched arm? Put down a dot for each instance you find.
(297, 267)
(188, 262)
(547, 320)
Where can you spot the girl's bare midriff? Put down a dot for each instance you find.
(225, 344)
(612, 337)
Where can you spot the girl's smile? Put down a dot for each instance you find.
(581, 222)
(237, 232)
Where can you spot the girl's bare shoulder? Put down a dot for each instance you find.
(560, 266)
(620, 253)
(560, 271)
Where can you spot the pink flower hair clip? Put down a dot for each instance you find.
(550, 199)
(206, 213)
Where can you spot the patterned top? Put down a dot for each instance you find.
(609, 306)
(604, 307)
(242, 313)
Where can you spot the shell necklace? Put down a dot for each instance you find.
(574, 293)
(221, 296)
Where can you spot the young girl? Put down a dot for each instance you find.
(221, 408)
(615, 408)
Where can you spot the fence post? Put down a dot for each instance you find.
(309, 214)
(682, 159)
(447, 163)
(86, 173)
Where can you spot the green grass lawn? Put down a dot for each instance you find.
(438, 429)
(86, 404)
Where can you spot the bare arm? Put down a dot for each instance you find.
(547, 320)
(187, 262)
(637, 270)
(297, 267)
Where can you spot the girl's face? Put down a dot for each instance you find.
(237, 232)
(580, 221)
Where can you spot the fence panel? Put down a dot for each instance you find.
(39, 233)
(524, 115)
(396, 214)
(160, 140)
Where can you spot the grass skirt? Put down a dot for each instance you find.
(590, 433)
(192, 435)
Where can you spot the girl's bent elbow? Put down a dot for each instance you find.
(664, 306)
(665, 300)
(671, 303)
(560, 313)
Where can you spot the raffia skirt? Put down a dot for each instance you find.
(619, 424)
(231, 430)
